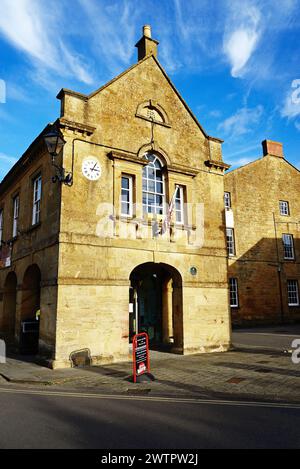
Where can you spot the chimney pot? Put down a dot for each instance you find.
(146, 45)
(147, 30)
(272, 148)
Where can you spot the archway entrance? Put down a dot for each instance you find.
(156, 305)
(7, 323)
(30, 306)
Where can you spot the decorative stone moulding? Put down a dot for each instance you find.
(153, 112)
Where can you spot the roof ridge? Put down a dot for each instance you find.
(261, 158)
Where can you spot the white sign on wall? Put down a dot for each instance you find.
(2, 352)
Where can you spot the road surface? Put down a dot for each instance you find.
(42, 419)
(277, 338)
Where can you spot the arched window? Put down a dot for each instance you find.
(153, 186)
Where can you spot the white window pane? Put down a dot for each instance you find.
(293, 293)
(37, 193)
(233, 290)
(153, 185)
(230, 241)
(227, 199)
(16, 203)
(1, 226)
(179, 204)
(284, 207)
(288, 246)
(127, 196)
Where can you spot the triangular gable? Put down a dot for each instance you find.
(258, 160)
(86, 97)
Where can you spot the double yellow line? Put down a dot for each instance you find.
(154, 399)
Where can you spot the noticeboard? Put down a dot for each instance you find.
(141, 362)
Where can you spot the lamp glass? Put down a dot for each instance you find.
(54, 142)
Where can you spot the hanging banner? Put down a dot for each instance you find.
(141, 362)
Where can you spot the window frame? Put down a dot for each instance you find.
(16, 213)
(130, 192)
(286, 246)
(233, 291)
(281, 202)
(154, 193)
(290, 291)
(233, 253)
(227, 207)
(181, 190)
(1, 224)
(36, 206)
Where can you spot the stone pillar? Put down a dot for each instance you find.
(18, 313)
(167, 311)
(178, 318)
(48, 307)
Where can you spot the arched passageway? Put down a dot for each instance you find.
(7, 320)
(30, 310)
(156, 305)
(31, 292)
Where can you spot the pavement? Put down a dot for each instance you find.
(259, 368)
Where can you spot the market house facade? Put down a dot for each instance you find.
(136, 230)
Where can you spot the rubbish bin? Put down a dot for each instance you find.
(29, 337)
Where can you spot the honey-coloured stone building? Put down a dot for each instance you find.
(262, 206)
(132, 239)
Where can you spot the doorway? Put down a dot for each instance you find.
(155, 299)
(30, 311)
(7, 322)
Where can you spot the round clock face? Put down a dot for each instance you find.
(91, 169)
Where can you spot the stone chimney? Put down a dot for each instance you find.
(146, 45)
(272, 148)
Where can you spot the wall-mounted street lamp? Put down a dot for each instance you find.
(55, 143)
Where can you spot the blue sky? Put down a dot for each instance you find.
(236, 63)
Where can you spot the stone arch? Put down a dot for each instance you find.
(31, 292)
(7, 321)
(152, 111)
(154, 148)
(157, 289)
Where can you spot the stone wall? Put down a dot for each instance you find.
(35, 245)
(259, 264)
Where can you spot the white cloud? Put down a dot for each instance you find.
(35, 27)
(242, 161)
(7, 159)
(16, 92)
(241, 122)
(244, 149)
(112, 29)
(216, 113)
(242, 34)
(291, 106)
(6, 116)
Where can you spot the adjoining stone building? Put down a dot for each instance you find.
(262, 208)
(138, 232)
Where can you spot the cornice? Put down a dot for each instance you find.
(132, 157)
(77, 126)
(217, 164)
